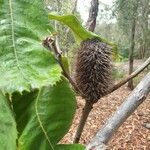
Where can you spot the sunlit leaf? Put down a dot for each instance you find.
(24, 63)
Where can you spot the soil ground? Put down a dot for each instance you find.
(132, 135)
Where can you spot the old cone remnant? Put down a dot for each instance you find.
(93, 69)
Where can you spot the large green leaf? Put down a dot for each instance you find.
(43, 117)
(24, 63)
(8, 131)
(80, 33)
(69, 147)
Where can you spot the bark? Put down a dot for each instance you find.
(75, 7)
(134, 74)
(91, 22)
(130, 83)
(145, 14)
(138, 95)
(131, 53)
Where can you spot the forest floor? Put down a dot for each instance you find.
(132, 135)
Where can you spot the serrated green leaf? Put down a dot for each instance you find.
(43, 117)
(69, 147)
(24, 63)
(8, 131)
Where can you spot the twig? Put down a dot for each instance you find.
(134, 74)
(59, 59)
(85, 113)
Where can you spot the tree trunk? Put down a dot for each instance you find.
(91, 22)
(145, 13)
(131, 54)
(75, 7)
(120, 116)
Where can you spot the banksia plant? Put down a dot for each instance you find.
(93, 66)
(93, 69)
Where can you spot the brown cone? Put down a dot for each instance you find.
(93, 69)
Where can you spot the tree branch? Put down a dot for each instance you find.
(134, 74)
(138, 95)
(85, 113)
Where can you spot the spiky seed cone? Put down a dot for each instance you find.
(93, 69)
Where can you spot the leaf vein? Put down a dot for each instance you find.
(13, 38)
(40, 122)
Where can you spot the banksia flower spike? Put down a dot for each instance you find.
(93, 69)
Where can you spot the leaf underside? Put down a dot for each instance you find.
(8, 131)
(45, 117)
(24, 63)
